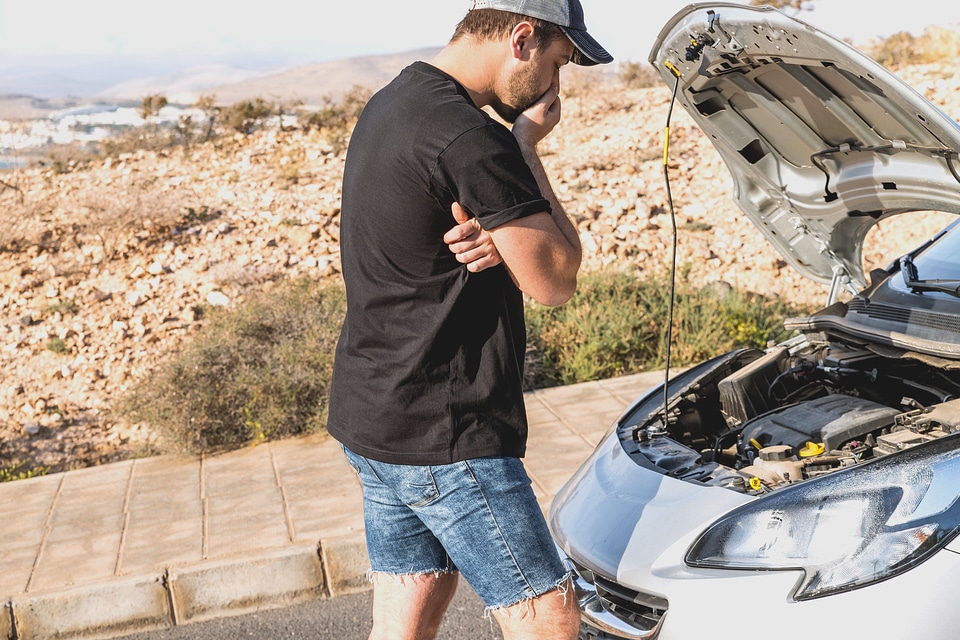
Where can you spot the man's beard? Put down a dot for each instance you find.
(523, 90)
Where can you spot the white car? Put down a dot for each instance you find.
(809, 490)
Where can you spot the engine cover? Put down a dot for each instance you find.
(832, 420)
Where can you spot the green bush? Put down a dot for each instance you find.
(17, 471)
(247, 116)
(338, 114)
(615, 325)
(258, 372)
(606, 330)
(636, 75)
(335, 119)
(58, 346)
(157, 137)
(261, 371)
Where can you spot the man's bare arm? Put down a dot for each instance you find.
(542, 251)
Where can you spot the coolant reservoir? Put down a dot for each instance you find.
(775, 465)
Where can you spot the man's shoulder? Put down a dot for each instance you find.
(426, 92)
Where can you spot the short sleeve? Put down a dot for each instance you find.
(484, 170)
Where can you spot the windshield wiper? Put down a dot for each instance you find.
(912, 279)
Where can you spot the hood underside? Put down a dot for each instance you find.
(821, 141)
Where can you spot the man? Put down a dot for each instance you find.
(426, 395)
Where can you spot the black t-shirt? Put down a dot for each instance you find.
(429, 365)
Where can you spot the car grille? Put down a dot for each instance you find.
(611, 611)
(640, 610)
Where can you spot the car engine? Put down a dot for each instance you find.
(755, 421)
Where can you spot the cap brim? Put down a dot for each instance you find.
(589, 52)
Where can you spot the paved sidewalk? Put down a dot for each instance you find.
(156, 542)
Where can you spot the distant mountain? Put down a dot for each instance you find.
(86, 76)
(21, 107)
(181, 86)
(309, 83)
(312, 83)
(34, 92)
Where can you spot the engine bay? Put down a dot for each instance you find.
(755, 421)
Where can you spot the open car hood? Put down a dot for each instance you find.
(822, 142)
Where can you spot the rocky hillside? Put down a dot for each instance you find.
(104, 266)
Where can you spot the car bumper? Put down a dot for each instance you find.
(625, 530)
(757, 606)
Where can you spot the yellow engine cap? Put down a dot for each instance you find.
(812, 449)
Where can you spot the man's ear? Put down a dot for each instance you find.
(522, 41)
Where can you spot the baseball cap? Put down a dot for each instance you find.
(566, 14)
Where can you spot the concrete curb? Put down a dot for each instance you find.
(345, 564)
(102, 610)
(189, 593)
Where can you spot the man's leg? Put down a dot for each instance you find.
(413, 577)
(502, 547)
(410, 607)
(553, 616)
(479, 516)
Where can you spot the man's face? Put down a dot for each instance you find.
(532, 79)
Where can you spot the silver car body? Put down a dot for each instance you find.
(822, 143)
(634, 526)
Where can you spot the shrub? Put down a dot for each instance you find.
(605, 330)
(338, 114)
(152, 105)
(58, 346)
(67, 158)
(211, 111)
(17, 471)
(63, 307)
(138, 213)
(260, 371)
(247, 116)
(717, 318)
(635, 75)
(335, 119)
(614, 325)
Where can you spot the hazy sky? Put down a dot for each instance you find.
(296, 31)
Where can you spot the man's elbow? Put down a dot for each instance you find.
(557, 294)
(550, 277)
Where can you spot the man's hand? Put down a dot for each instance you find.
(470, 243)
(540, 118)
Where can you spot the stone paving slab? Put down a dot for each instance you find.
(157, 542)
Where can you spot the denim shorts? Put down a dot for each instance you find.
(479, 517)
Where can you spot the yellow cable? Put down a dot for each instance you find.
(666, 130)
(666, 144)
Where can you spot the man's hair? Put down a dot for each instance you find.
(493, 24)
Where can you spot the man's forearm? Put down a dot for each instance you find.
(557, 213)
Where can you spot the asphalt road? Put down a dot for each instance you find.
(342, 618)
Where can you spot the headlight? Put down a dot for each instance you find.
(847, 529)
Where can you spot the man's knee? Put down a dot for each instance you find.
(553, 615)
(410, 606)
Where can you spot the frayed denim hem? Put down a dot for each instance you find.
(564, 585)
(411, 575)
